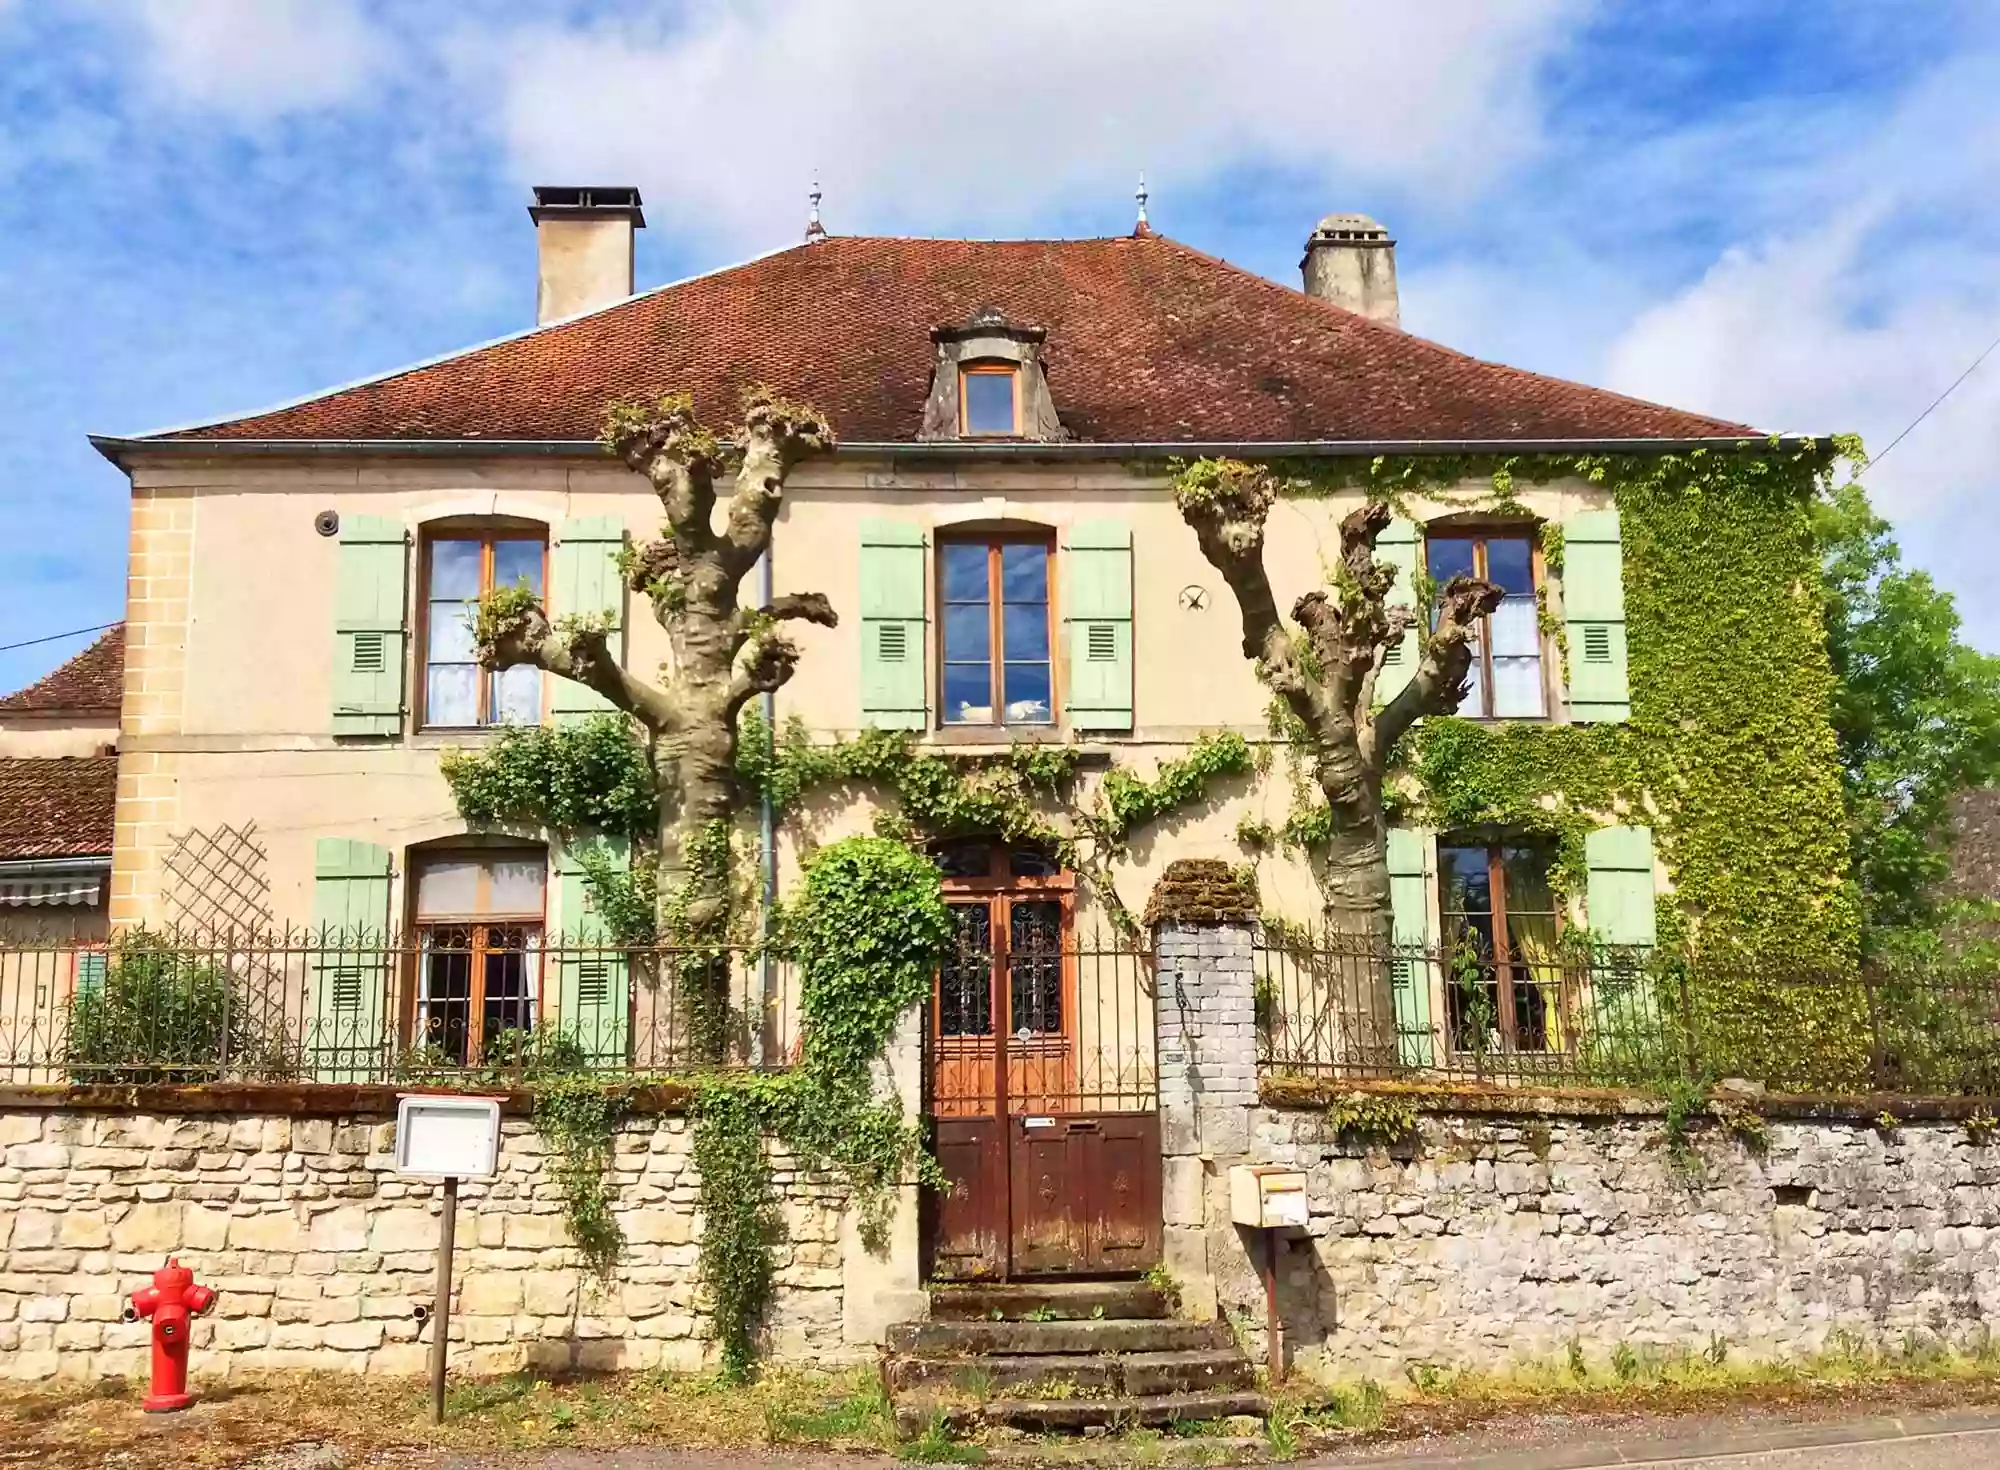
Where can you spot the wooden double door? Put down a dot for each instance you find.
(1044, 1177)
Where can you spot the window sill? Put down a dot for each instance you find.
(998, 735)
(437, 737)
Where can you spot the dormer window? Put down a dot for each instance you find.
(989, 381)
(989, 396)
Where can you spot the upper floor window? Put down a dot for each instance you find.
(1507, 654)
(460, 567)
(995, 665)
(990, 399)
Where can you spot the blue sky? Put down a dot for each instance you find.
(1785, 213)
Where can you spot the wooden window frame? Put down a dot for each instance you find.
(988, 370)
(1502, 957)
(479, 923)
(487, 536)
(1479, 533)
(996, 632)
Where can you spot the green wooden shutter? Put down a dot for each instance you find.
(1097, 611)
(1410, 917)
(1398, 546)
(893, 685)
(1593, 588)
(346, 1040)
(91, 967)
(593, 999)
(370, 597)
(584, 577)
(1619, 861)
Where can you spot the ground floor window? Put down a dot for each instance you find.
(479, 936)
(1503, 987)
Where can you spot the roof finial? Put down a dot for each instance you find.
(815, 231)
(1144, 227)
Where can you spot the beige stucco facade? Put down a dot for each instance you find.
(230, 668)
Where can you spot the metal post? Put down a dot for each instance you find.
(441, 1311)
(1274, 1327)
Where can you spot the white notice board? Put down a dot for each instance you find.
(447, 1137)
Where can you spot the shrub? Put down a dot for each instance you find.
(159, 1015)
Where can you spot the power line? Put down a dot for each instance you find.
(53, 637)
(1936, 401)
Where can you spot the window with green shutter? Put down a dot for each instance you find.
(347, 1037)
(584, 577)
(462, 565)
(1397, 546)
(893, 679)
(1593, 595)
(1097, 612)
(1411, 974)
(1620, 896)
(593, 997)
(370, 594)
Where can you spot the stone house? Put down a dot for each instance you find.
(996, 534)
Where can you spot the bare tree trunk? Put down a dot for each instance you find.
(723, 655)
(1325, 670)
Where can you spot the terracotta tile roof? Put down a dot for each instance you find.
(91, 683)
(1148, 341)
(57, 806)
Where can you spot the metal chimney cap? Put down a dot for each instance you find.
(565, 201)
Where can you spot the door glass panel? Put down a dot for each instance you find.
(517, 886)
(1034, 965)
(965, 979)
(1531, 945)
(968, 633)
(1472, 995)
(963, 858)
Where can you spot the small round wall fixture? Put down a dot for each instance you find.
(1194, 597)
(327, 523)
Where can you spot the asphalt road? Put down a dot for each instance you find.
(1968, 1440)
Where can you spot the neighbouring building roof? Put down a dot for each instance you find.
(91, 683)
(1148, 342)
(55, 807)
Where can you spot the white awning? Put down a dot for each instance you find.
(34, 892)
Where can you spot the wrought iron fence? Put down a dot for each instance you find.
(1334, 1006)
(326, 1005)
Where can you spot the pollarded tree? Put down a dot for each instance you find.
(722, 653)
(1325, 671)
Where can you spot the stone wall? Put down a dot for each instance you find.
(1498, 1240)
(321, 1254)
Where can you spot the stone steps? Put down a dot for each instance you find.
(1064, 1357)
(1065, 1301)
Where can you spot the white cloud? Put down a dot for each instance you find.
(255, 59)
(928, 116)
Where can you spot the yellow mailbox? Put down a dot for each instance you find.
(1267, 1196)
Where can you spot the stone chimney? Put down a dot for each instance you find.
(585, 239)
(1351, 261)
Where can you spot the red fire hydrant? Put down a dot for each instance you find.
(173, 1301)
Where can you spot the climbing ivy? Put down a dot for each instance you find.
(591, 775)
(868, 932)
(1728, 755)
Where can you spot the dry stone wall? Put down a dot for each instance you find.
(1498, 1241)
(322, 1255)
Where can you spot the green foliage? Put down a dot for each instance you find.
(1372, 1118)
(1916, 712)
(577, 1115)
(861, 975)
(590, 775)
(626, 896)
(161, 1015)
(868, 932)
(1130, 802)
(1980, 1127)
(501, 611)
